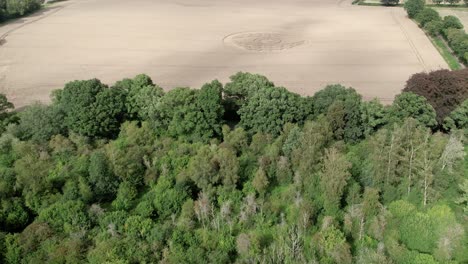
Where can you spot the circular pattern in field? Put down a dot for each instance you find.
(263, 41)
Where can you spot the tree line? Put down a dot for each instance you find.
(242, 172)
(18, 8)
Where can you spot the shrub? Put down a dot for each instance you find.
(452, 22)
(433, 28)
(427, 15)
(437, 2)
(453, 2)
(413, 7)
(390, 2)
(21, 7)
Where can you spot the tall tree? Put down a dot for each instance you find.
(334, 177)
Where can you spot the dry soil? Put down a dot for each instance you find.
(300, 44)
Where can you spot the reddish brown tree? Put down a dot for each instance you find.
(443, 89)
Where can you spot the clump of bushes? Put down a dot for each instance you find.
(390, 2)
(414, 7)
(449, 27)
(17, 8)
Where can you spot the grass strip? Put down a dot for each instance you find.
(440, 45)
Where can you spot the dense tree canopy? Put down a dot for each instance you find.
(135, 175)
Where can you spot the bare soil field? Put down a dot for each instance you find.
(300, 44)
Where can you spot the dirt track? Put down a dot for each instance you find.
(300, 44)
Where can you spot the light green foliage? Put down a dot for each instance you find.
(414, 7)
(411, 105)
(68, 217)
(334, 177)
(463, 200)
(168, 198)
(125, 196)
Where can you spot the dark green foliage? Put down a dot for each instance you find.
(142, 96)
(452, 22)
(191, 114)
(91, 108)
(458, 118)
(412, 105)
(427, 15)
(102, 180)
(414, 7)
(269, 109)
(390, 2)
(343, 109)
(40, 122)
(434, 27)
(15, 8)
(5, 107)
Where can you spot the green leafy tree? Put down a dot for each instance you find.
(334, 177)
(125, 196)
(373, 115)
(241, 88)
(414, 7)
(39, 122)
(458, 118)
(195, 115)
(13, 215)
(142, 96)
(103, 182)
(68, 217)
(343, 108)
(270, 109)
(408, 104)
(91, 108)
